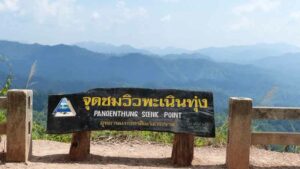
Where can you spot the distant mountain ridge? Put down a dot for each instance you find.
(168, 51)
(125, 49)
(286, 67)
(243, 54)
(69, 68)
(65, 68)
(248, 53)
(109, 48)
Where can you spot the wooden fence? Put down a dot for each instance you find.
(18, 125)
(240, 136)
(18, 128)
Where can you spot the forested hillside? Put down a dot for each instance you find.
(66, 69)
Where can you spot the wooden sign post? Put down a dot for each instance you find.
(185, 113)
(80, 146)
(183, 149)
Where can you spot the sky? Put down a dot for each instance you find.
(190, 24)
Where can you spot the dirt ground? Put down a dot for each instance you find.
(54, 155)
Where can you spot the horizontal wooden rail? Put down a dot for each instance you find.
(276, 113)
(2, 128)
(275, 138)
(3, 102)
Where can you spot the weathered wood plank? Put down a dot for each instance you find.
(275, 138)
(183, 150)
(3, 102)
(19, 125)
(80, 146)
(276, 113)
(2, 128)
(239, 133)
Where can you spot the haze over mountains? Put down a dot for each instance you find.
(243, 54)
(109, 48)
(255, 70)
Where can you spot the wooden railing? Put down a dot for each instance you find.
(240, 136)
(18, 127)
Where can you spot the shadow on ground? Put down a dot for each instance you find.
(279, 167)
(129, 161)
(132, 161)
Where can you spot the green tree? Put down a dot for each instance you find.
(7, 83)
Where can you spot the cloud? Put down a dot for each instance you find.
(61, 13)
(166, 18)
(105, 18)
(243, 23)
(9, 5)
(41, 10)
(126, 13)
(70, 13)
(295, 15)
(59, 9)
(171, 1)
(120, 14)
(257, 5)
(250, 7)
(95, 15)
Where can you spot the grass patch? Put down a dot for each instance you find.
(39, 133)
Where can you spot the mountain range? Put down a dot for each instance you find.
(70, 68)
(242, 54)
(110, 49)
(249, 53)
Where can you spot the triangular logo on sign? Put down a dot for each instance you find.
(64, 109)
